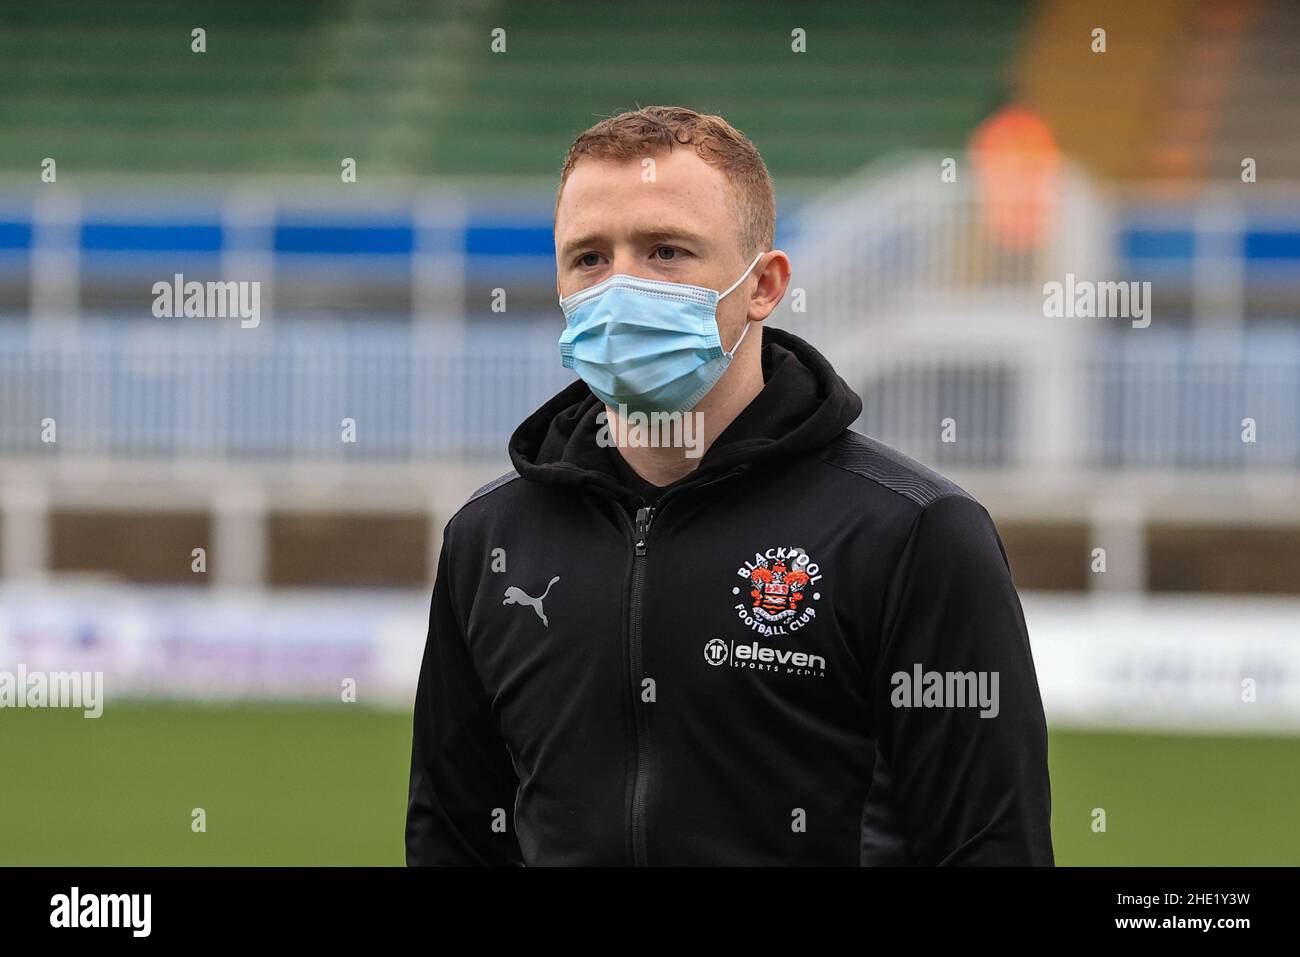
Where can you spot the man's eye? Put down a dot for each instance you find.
(590, 260)
(665, 253)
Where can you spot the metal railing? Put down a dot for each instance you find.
(901, 278)
(1164, 399)
(356, 391)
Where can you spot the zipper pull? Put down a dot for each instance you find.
(643, 516)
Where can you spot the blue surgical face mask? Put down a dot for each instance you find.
(648, 345)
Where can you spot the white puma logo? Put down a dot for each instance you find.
(517, 596)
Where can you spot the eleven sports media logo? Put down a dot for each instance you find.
(779, 602)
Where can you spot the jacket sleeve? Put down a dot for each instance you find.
(460, 809)
(968, 785)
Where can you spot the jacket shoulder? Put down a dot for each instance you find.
(889, 468)
(492, 486)
(482, 505)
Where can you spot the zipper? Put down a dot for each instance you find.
(641, 532)
(640, 537)
(643, 516)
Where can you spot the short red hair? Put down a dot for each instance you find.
(653, 130)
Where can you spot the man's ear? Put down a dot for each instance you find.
(773, 272)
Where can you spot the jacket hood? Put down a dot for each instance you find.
(804, 404)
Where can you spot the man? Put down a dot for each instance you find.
(798, 648)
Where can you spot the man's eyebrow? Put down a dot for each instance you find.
(670, 233)
(662, 233)
(587, 239)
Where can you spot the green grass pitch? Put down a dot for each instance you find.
(326, 785)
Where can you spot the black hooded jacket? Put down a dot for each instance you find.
(807, 651)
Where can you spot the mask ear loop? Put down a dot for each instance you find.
(732, 288)
(743, 276)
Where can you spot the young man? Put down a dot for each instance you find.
(799, 647)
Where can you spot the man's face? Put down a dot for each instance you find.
(681, 226)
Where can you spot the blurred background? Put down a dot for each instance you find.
(937, 164)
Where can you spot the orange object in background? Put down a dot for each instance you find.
(1016, 159)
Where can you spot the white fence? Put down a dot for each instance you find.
(901, 277)
(1161, 399)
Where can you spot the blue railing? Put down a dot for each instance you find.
(1142, 239)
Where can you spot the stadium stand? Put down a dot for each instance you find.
(415, 87)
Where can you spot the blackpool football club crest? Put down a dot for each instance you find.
(779, 593)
